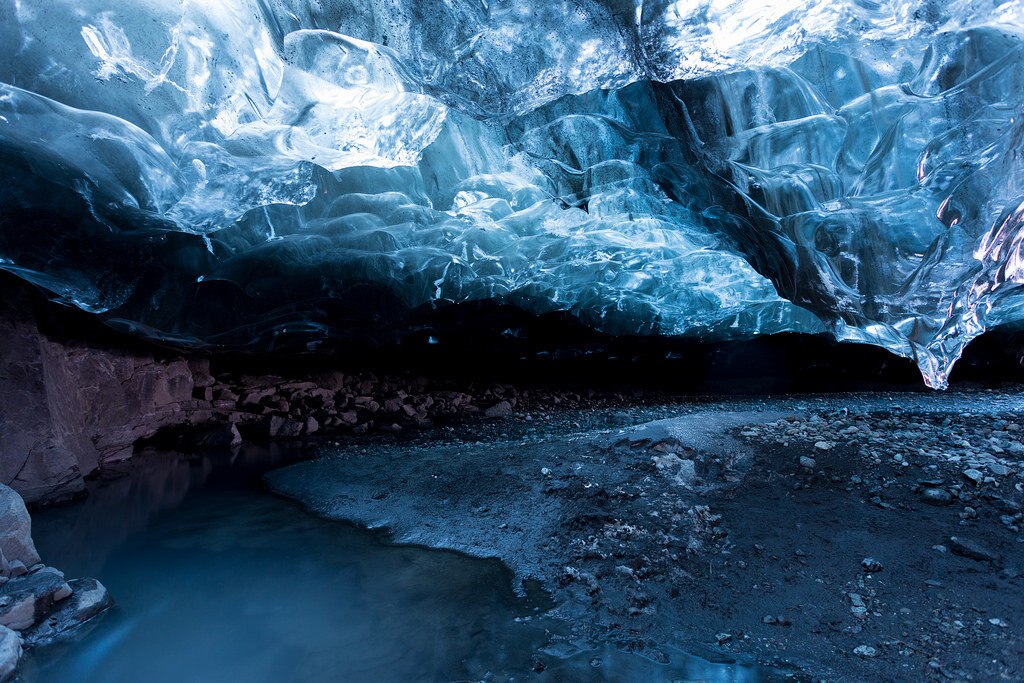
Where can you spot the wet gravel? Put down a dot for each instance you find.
(838, 537)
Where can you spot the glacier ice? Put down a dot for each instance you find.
(220, 172)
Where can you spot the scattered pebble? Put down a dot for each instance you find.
(871, 565)
(865, 651)
(936, 496)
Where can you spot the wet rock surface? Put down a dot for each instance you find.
(708, 529)
(16, 547)
(26, 599)
(37, 604)
(10, 652)
(88, 599)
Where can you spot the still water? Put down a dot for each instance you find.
(217, 580)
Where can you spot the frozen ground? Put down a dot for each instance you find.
(850, 537)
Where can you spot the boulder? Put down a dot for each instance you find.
(89, 598)
(284, 427)
(27, 599)
(10, 653)
(15, 531)
(500, 409)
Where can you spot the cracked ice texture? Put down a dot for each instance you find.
(225, 172)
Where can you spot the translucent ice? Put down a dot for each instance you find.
(223, 172)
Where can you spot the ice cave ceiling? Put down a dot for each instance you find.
(219, 172)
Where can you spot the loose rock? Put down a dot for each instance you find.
(870, 564)
(935, 496)
(970, 549)
(974, 476)
(501, 409)
(865, 651)
(89, 598)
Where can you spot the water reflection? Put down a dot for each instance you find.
(128, 496)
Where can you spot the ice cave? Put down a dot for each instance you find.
(596, 339)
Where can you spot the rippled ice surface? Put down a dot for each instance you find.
(244, 172)
(215, 580)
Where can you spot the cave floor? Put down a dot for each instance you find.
(869, 536)
(216, 579)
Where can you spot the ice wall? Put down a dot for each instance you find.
(225, 172)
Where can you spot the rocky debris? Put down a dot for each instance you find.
(740, 540)
(10, 653)
(335, 404)
(927, 476)
(976, 442)
(617, 522)
(945, 459)
(36, 603)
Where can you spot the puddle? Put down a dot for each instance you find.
(217, 580)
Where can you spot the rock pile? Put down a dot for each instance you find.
(37, 605)
(336, 403)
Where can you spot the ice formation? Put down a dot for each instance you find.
(225, 171)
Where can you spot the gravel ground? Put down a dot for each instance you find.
(939, 496)
(842, 537)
